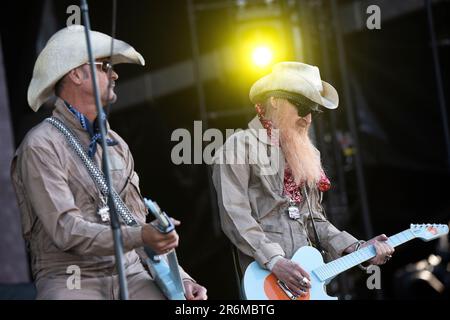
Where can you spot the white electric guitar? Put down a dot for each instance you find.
(260, 284)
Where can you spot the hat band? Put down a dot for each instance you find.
(300, 99)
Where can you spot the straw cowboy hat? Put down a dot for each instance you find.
(65, 51)
(295, 80)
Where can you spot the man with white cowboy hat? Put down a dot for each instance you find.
(264, 213)
(61, 205)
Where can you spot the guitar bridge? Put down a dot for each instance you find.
(286, 290)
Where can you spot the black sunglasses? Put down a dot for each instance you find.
(303, 110)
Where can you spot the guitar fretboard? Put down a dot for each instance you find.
(333, 268)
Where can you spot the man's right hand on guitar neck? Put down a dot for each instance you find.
(292, 275)
(159, 242)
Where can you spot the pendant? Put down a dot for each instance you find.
(103, 212)
(293, 211)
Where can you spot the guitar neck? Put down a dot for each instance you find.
(333, 268)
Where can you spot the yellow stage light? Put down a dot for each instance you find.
(259, 45)
(262, 56)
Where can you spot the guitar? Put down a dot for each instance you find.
(260, 284)
(167, 276)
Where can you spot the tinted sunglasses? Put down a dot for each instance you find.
(106, 66)
(303, 110)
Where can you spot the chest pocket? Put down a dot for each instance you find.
(274, 232)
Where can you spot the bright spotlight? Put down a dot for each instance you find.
(262, 56)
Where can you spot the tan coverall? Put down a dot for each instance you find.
(253, 207)
(59, 203)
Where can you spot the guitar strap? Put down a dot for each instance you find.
(94, 172)
(316, 235)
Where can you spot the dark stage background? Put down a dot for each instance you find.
(384, 148)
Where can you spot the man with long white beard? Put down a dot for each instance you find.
(263, 210)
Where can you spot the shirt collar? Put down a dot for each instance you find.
(76, 120)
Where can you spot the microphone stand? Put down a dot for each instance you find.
(115, 225)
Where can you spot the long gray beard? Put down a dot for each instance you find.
(301, 155)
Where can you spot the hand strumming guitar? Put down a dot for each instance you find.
(194, 291)
(292, 275)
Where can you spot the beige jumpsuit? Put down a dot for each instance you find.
(59, 203)
(253, 207)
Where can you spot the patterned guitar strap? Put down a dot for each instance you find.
(93, 170)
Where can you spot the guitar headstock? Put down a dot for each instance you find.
(428, 232)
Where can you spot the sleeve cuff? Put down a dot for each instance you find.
(340, 242)
(273, 262)
(267, 252)
(132, 237)
(185, 276)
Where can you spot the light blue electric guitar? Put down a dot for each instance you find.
(260, 284)
(167, 276)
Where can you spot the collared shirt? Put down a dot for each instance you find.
(92, 128)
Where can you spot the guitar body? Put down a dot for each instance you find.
(166, 273)
(164, 278)
(261, 284)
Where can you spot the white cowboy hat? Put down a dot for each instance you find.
(291, 79)
(65, 51)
